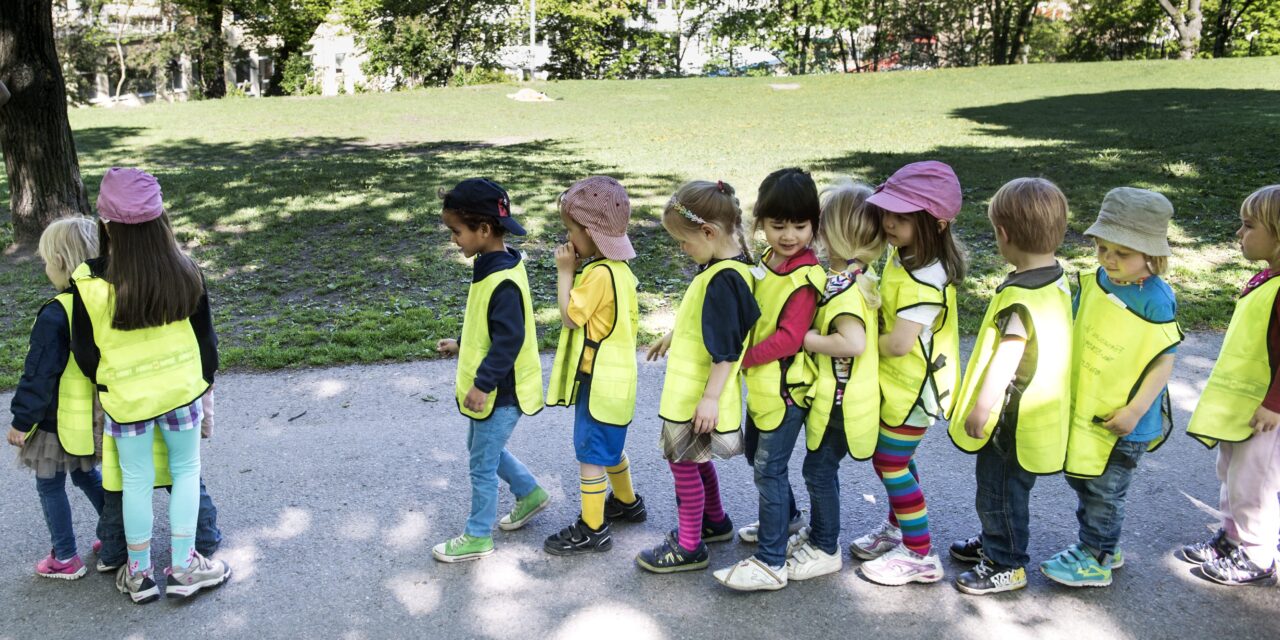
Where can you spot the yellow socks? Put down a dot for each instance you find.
(620, 480)
(593, 494)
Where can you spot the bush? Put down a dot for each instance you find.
(297, 77)
(464, 77)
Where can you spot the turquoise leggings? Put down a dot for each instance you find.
(137, 470)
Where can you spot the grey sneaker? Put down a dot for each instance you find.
(202, 573)
(751, 532)
(138, 586)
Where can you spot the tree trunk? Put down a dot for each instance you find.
(39, 151)
(1187, 23)
(213, 52)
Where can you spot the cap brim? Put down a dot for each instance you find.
(1125, 237)
(614, 247)
(890, 202)
(511, 225)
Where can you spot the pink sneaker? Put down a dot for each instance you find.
(51, 567)
(97, 547)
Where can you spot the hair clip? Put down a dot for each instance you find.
(720, 185)
(684, 211)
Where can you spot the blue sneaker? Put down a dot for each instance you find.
(1075, 567)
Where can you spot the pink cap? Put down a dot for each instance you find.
(129, 196)
(929, 186)
(600, 204)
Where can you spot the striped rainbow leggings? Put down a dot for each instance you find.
(894, 462)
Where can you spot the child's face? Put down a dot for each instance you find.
(1120, 262)
(582, 243)
(1256, 243)
(699, 245)
(787, 238)
(898, 229)
(469, 240)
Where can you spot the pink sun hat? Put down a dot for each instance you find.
(129, 196)
(600, 204)
(929, 186)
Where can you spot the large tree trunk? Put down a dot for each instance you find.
(39, 152)
(213, 52)
(1187, 24)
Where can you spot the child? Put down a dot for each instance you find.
(787, 281)
(845, 368)
(595, 365)
(53, 405)
(1119, 407)
(143, 333)
(919, 359)
(499, 375)
(701, 403)
(1011, 408)
(1240, 409)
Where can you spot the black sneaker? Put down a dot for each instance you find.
(1237, 569)
(968, 550)
(988, 577)
(1214, 548)
(713, 531)
(615, 509)
(578, 538)
(670, 557)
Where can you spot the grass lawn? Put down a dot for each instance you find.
(316, 219)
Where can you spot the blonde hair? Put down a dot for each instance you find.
(65, 244)
(849, 229)
(1263, 206)
(712, 203)
(1033, 212)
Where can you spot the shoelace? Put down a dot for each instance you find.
(983, 570)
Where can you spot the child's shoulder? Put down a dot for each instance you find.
(932, 274)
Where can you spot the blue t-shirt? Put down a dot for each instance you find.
(1153, 300)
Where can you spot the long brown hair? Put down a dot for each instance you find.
(155, 282)
(931, 244)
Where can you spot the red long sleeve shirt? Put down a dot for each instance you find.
(793, 322)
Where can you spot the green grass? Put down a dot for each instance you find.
(316, 219)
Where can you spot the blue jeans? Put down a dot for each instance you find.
(777, 502)
(57, 508)
(1003, 500)
(1101, 507)
(111, 527)
(822, 477)
(490, 460)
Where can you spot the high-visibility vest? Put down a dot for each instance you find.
(613, 366)
(75, 399)
(1044, 410)
(903, 379)
(771, 384)
(860, 404)
(475, 345)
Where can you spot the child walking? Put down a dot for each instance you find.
(701, 403)
(53, 405)
(499, 376)
(1011, 408)
(843, 346)
(143, 333)
(919, 359)
(787, 282)
(1239, 411)
(595, 365)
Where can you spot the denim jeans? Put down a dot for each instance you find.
(1003, 500)
(772, 453)
(822, 477)
(490, 460)
(57, 508)
(111, 527)
(1101, 507)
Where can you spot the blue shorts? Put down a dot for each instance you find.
(594, 442)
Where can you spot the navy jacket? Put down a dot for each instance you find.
(36, 399)
(506, 328)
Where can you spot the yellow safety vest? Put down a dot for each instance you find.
(112, 479)
(613, 368)
(860, 406)
(689, 362)
(769, 385)
(1242, 375)
(1044, 410)
(475, 345)
(142, 373)
(1111, 351)
(903, 379)
(75, 400)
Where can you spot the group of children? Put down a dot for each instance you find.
(1061, 378)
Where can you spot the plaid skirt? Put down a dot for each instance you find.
(680, 444)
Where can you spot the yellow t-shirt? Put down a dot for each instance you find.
(592, 304)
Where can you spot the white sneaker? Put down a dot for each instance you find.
(901, 566)
(876, 543)
(809, 561)
(751, 532)
(752, 575)
(797, 539)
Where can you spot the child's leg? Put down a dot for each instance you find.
(90, 483)
(1252, 482)
(893, 463)
(1003, 501)
(691, 501)
(208, 536)
(773, 453)
(713, 509)
(821, 475)
(1102, 499)
(593, 485)
(184, 498)
(111, 529)
(138, 477)
(620, 480)
(57, 515)
(487, 441)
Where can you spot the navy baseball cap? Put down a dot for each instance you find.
(484, 197)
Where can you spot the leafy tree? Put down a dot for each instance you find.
(292, 22)
(601, 39)
(1187, 20)
(1114, 30)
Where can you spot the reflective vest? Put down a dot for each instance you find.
(860, 404)
(689, 362)
(1044, 410)
(112, 480)
(1242, 375)
(75, 400)
(142, 373)
(771, 384)
(903, 379)
(475, 345)
(1111, 351)
(613, 367)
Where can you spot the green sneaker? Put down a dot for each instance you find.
(525, 509)
(1117, 560)
(462, 548)
(1075, 567)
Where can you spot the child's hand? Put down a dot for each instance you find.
(447, 347)
(1122, 422)
(973, 425)
(1263, 420)
(566, 258)
(16, 438)
(706, 416)
(475, 399)
(659, 348)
